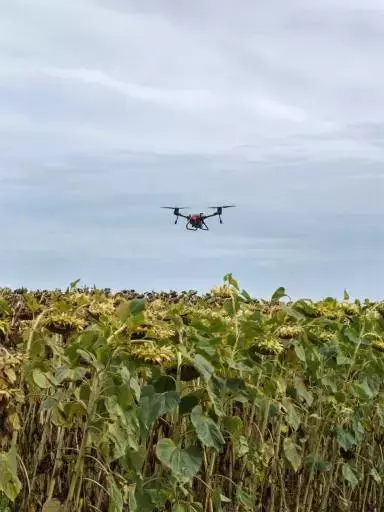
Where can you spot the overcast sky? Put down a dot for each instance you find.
(111, 108)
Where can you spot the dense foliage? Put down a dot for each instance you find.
(179, 402)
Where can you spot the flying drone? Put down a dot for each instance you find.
(196, 221)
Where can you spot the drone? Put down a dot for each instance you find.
(196, 221)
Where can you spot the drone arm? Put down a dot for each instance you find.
(207, 216)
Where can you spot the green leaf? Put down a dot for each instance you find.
(302, 391)
(206, 429)
(164, 383)
(40, 379)
(187, 403)
(341, 360)
(292, 453)
(87, 356)
(228, 278)
(300, 352)
(9, 481)
(218, 499)
(135, 388)
(278, 294)
(155, 405)
(116, 502)
(375, 475)
(136, 306)
(344, 438)
(240, 445)
(349, 475)
(316, 464)
(203, 366)
(62, 373)
(346, 295)
(233, 425)
(52, 505)
(247, 500)
(179, 507)
(292, 417)
(184, 464)
(364, 390)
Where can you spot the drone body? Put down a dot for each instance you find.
(196, 221)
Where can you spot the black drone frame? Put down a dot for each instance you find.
(203, 226)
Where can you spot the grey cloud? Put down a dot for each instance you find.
(111, 108)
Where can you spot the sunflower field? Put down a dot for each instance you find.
(115, 401)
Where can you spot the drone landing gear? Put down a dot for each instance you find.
(203, 227)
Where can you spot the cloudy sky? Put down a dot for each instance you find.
(111, 108)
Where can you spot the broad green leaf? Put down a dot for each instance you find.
(214, 390)
(184, 463)
(155, 405)
(40, 379)
(136, 306)
(349, 475)
(375, 475)
(344, 438)
(132, 499)
(233, 425)
(316, 464)
(292, 416)
(300, 352)
(302, 390)
(293, 453)
(116, 502)
(62, 373)
(203, 366)
(228, 278)
(52, 505)
(343, 360)
(246, 499)
(9, 481)
(240, 446)
(135, 388)
(187, 403)
(364, 390)
(180, 507)
(119, 440)
(206, 429)
(218, 499)
(278, 294)
(164, 383)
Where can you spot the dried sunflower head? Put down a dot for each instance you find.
(350, 309)
(156, 309)
(9, 371)
(149, 353)
(268, 345)
(161, 332)
(319, 335)
(378, 345)
(97, 308)
(221, 291)
(289, 331)
(332, 313)
(64, 321)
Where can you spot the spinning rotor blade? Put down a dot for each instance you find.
(175, 207)
(224, 206)
(220, 208)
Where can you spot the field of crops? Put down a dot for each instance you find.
(179, 402)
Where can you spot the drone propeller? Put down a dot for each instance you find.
(175, 210)
(220, 209)
(224, 206)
